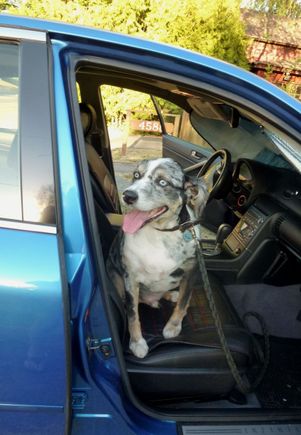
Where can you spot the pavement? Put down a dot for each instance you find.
(117, 138)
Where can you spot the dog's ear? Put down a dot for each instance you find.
(197, 194)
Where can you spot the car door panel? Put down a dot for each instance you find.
(185, 153)
(32, 352)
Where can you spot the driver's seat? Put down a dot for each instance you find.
(192, 365)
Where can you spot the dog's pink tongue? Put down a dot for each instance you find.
(134, 220)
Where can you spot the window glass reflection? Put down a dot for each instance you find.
(36, 143)
(10, 192)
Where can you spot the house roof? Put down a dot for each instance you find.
(272, 28)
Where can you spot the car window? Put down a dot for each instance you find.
(38, 195)
(177, 123)
(134, 130)
(248, 140)
(10, 186)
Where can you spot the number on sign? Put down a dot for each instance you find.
(150, 126)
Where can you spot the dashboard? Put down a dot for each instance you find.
(243, 184)
(266, 203)
(252, 179)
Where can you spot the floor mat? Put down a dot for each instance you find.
(279, 306)
(281, 386)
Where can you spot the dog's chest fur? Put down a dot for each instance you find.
(158, 260)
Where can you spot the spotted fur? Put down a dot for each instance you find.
(151, 264)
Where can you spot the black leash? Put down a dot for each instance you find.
(243, 385)
(264, 358)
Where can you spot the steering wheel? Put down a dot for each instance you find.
(217, 173)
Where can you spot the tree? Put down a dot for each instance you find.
(125, 16)
(118, 101)
(61, 10)
(283, 8)
(209, 27)
(5, 4)
(212, 28)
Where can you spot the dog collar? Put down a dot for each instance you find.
(185, 225)
(181, 227)
(186, 228)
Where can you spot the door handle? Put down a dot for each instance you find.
(196, 155)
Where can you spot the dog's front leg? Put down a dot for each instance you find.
(174, 325)
(138, 344)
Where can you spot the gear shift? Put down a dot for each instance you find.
(214, 247)
(222, 233)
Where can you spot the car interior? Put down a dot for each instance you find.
(252, 258)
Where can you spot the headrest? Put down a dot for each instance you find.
(88, 117)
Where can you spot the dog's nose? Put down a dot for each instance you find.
(130, 196)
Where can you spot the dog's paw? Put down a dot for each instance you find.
(174, 296)
(139, 348)
(171, 295)
(172, 329)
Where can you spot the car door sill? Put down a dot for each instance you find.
(267, 429)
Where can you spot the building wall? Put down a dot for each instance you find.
(278, 63)
(274, 51)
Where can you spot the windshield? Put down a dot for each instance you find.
(248, 140)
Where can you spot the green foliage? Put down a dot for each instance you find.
(119, 101)
(209, 27)
(4, 5)
(168, 107)
(212, 28)
(124, 16)
(282, 8)
(60, 10)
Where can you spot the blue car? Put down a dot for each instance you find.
(65, 365)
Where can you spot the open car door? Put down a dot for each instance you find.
(33, 298)
(179, 139)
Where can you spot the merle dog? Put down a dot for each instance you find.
(152, 257)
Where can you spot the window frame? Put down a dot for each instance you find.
(35, 127)
(206, 147)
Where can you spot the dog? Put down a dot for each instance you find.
(152, 256)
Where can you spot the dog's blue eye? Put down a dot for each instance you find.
(137, 175)
(163, 183)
